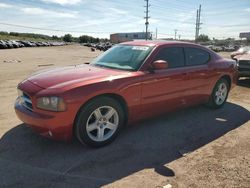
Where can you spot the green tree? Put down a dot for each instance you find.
(203, 38)
(84, 39)
(67, 38)
(54, 37)
(97, 40)
(4, 33)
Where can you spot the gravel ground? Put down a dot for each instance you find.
(195, 147)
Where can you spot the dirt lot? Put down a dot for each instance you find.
(195, 147)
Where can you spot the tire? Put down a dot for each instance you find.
(99, 122)
(219, 95)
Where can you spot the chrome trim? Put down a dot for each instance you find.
(25, 100)
(27, 107)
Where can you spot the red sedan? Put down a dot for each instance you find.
(129, 82)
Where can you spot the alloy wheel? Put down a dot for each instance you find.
(102, 123)
(221, 93)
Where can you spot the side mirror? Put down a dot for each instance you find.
(159, 65)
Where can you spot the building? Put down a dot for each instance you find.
(245, 35)
(124, 37)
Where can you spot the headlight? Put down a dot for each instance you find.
(56, 104)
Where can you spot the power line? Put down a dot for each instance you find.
(224, 26)
(165, 34)
(172, 8)
(172, 3)
(46, 29)
(175, 20)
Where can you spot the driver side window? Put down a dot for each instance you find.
(173, 55)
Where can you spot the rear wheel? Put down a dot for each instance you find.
(99, 122)
(219, 94)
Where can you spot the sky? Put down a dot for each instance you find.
(99, 18)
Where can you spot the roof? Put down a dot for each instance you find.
(155, 43)
(129, 33)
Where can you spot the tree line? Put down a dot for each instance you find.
(65, 38)
(82, 39)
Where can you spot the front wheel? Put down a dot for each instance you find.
(99, 122)
(219, 94)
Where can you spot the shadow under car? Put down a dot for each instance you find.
(29, 160)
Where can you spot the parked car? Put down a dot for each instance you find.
(243, 64)
(3, 45)
(127, 83)
(20, 43)
(229, 48)
(16, 44)
(217, 48)
(9, 44)
(240, 51)
(39, 44)
(242, 56)
(26, 43)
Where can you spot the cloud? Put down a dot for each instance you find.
(118, 11)
(3, 5)
(48, 13)
(248, 10)
(63, 2)
(152, 21)
(186, 16)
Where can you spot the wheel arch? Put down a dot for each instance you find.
(117, 97)
(228, 79)
(211, 102)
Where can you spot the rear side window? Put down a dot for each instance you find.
(173, 55)
(195, 56)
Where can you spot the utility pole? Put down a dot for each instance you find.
(198, 23)
(146, 18)
(175, 33)
(156, 33)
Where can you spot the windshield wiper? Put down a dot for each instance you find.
(117, 68)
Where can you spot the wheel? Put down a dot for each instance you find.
(219, 94)
(99, 122)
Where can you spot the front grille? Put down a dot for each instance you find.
(244, 69)
(27, 101)
(244, 62)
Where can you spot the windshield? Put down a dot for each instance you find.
(123, 57)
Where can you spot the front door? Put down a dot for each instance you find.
(162, 90)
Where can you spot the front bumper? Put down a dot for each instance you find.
(244, 68)
(244, 72)
(57, 127)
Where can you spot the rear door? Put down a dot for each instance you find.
(199, 75)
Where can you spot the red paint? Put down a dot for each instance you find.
(146, 93)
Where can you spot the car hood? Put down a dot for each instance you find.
(70, 75)
(245, 56)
